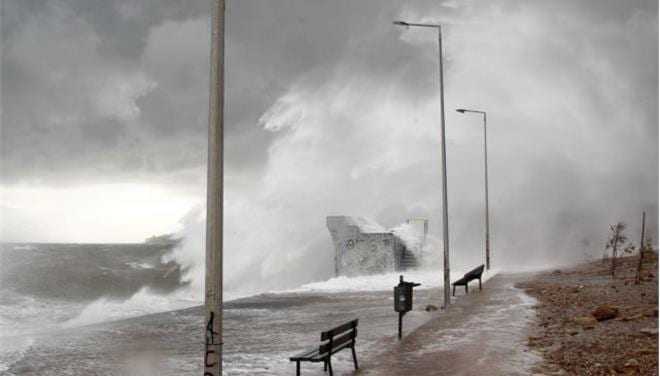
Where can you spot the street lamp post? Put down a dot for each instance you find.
(463, 110)
(445, 216)
(214, 196)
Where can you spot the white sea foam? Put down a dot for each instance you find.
(12, 350)
(366, 225)
(24, 315)
(142, 303)
(382, 282)
(411, 236)
(189, 254)
(140, 265)
(24, 247)
(146, 302)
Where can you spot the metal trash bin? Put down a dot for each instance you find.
(403, 299)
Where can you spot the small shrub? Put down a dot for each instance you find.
(617, 238)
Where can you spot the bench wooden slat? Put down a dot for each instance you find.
(461, 282)
(321, 357)
(476, 273)
(472, 274)
(469, 276)
(338, 330)
(338, 342)
(305, 355)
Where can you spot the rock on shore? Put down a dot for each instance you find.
(593, 324)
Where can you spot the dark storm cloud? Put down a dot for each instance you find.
(120, 87)
(73, 73)
(108, 89)
(124, 24)
(333, 110)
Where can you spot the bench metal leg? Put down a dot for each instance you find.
(354, 358)
(479, 284)
(466, 289)
(454, 292)
(330, 366)
(298, 368)
(325, 366)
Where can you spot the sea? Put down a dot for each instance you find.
(124, 309)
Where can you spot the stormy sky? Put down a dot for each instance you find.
(330, 109)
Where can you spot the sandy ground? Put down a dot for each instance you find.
(484, 333)
(570, 338)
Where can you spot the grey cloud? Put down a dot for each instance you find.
(75, 79)
(51, 120)
(120, 90)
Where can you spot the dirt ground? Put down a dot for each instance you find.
(570, 301)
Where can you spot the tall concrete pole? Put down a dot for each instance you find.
(214, 197)
(445, 209)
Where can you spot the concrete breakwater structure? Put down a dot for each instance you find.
(364, 247)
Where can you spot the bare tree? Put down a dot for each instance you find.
(641, 251)
(617, 238)
(606, 255)
(630, 249)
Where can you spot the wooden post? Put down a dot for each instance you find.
(641, 250)
(214, 197)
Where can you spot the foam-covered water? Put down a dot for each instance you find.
(260, 334)
(382, 282)
(141, 303)
(64, 305)
(48, 287)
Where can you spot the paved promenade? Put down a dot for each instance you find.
(483, 333)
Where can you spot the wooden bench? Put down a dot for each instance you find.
(469, 276)
(332, 341)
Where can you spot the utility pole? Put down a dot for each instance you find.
(443, 152)
(214, 196)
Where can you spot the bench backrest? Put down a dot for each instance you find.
(339, 336)
(475, 273)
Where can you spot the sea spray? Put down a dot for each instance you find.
(189, 253)
(429, 279)
(141, 303)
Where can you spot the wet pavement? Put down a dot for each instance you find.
(483, 333)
